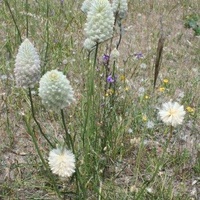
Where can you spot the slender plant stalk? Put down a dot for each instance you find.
(120, 35)
(47, 38)
(92, 90)
(157, 167)
(27, 25)
(38, 124)
(13, 18)
(32, 134)
(90, 95)
(68, 138)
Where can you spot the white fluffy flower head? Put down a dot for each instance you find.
(172, 113)
(120, 7)
(100, 21)
(27, 65)
(62, 162)
(55, 90)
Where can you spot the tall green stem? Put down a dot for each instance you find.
(13, 18)
(90, 94)
(47, 38)
(38, 124)
(27, 28)
(68, 138)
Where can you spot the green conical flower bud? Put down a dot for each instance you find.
(27, 65)
(100, 21)
(55, 90)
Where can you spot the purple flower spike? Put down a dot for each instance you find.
(110, 79)
(138, 55)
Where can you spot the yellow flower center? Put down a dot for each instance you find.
(53, 76)
(172, 112)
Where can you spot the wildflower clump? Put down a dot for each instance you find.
(120, 8)
(55, 90)
(62, 162)
(27, 65)
(100, 21)
(172, 113)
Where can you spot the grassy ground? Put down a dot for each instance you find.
(119, 148)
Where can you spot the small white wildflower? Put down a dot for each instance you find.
(150, 124)
(172, 113)
(130, 130)
(27, 65)
(114, 55)
(65, 61)
(100, 21)
(150, 190)
(55, 90)
(143, 66)
(141, 91)
(62, 162)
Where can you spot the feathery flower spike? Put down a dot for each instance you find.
(27, 65)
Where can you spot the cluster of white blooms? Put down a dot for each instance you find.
(120, 7)
(55, 90)
(62, 162)
(172, 113)
(27, 65)
(100, 21)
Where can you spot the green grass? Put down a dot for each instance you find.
(117, 154)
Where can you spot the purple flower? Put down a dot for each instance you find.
(138, 55)
(106, 58)
(110, 79)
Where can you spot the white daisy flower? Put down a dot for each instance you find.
(172, 113)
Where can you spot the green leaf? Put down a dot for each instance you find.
(197, 31)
